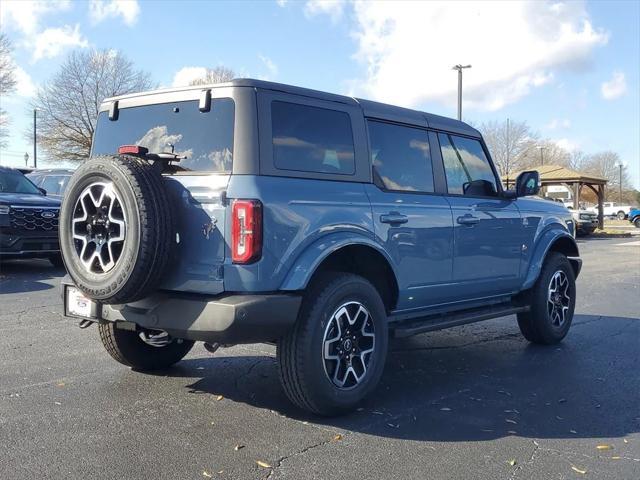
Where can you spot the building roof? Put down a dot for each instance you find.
(558, 174)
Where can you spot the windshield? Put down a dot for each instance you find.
(16, 182)
(204, 138)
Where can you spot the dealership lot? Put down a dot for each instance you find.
(470, 402)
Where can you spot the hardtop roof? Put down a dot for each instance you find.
(370, 108)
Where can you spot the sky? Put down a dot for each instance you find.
(571, 70)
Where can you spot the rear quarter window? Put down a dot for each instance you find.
(312, 139)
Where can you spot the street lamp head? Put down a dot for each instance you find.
(460, 67)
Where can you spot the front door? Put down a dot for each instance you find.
(488, 234)
(412, 222)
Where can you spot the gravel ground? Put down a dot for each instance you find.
(471, 402)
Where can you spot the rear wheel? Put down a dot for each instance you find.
(335, 354)
(621, 215)
(128, 347)
(552, 302)
(636, 222)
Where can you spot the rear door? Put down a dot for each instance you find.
(488, 233)
(411, 220)
(177, 123)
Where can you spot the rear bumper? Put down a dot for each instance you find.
(234, 318)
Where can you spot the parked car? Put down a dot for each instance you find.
(53, 180)
(634, 217)
(613, 209)
(28, 219)
(586, 221)
(319, 222)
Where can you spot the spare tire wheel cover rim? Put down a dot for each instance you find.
(99, 227)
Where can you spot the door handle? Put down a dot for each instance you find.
(394, 218)
(468, 220)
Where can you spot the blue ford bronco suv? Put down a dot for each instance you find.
(253, 212)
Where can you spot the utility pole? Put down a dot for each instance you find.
(620, 165)
(35, 152)
(508, 152)
(541, 155)
(459, 68)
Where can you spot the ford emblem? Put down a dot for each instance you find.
(47, 215)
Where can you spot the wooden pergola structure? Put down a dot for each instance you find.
(557, 175)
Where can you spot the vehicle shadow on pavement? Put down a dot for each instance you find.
(472, 383)
(20, 276)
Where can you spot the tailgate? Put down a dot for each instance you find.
(198, 258)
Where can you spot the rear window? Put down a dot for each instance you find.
(401, 158)
(204, 138)
(312, 139)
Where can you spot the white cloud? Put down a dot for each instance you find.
(281, 3)
(558, 123)
(272, 68)
(25, 15)
(566, 144)
(53, 41)
(615, 87)
(24, 84)
(100, 10)
(408, 48)
(185, 75)
(333, 8)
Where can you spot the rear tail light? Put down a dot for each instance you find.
(246, 231)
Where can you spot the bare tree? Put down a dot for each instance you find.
(542, 152)
(607, 165)
(507, 141)
(7, 83)
(68, 104)
(215, 75)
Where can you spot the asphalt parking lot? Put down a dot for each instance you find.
(471, 402)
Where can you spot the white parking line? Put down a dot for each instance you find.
(628, 244)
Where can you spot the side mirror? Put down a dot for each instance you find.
(528, 183)
(42, 191)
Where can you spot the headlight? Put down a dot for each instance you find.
(4, 209)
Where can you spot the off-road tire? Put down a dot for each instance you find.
(127, 348)
(621, 215)
(149, 231)
(536, 325)
(636, 222)
(299, 353)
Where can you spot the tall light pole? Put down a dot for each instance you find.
(620, 166)
(35, 151)
(459, 68)
(541, 155)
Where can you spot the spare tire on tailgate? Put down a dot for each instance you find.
(116, 228)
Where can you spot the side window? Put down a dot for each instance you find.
(466, 166)
(52, 184)
(312, 139)
(400, 156)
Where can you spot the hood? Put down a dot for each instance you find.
(28, 199)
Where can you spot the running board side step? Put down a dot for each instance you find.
(442, 321)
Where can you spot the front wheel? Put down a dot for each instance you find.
(335, 354)
(636, 222)
(128, 348)
(552, 302)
